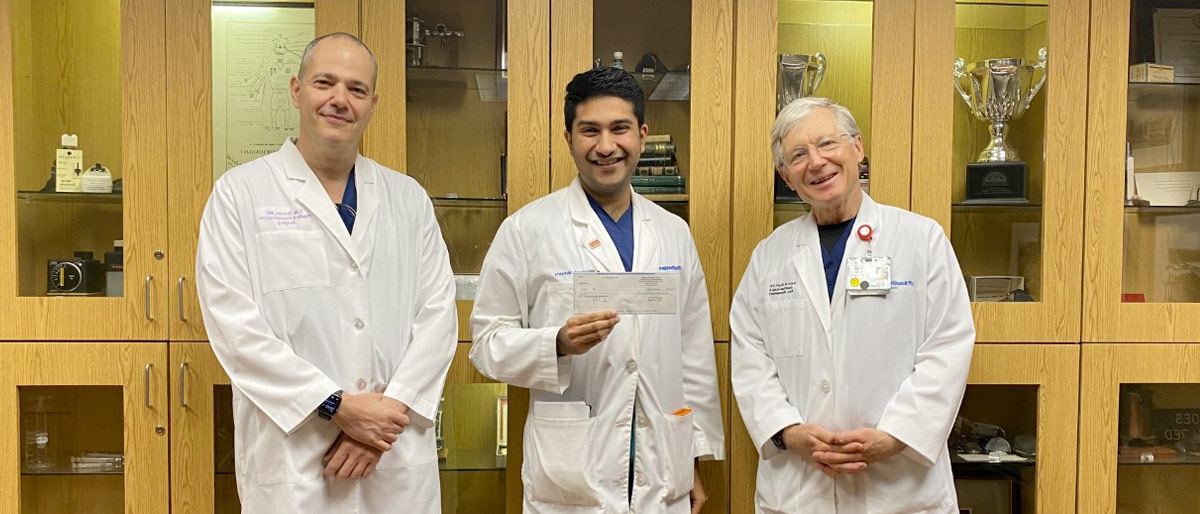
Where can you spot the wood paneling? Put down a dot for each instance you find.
(189, 163)
(339, 16)
(381, 23)
(194, 373)
(529, 67)
(711, 107)
(754, 113)
(572, 54)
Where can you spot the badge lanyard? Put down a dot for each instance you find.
(869, 275)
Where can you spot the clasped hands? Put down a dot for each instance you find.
(370, 424)
(840, 453)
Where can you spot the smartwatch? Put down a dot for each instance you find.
(329, 407)
(778, 440)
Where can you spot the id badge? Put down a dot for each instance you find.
(869, 276)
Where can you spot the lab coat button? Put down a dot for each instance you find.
(361, 384)
(358, 323)
(354, 266)
(631, 367)
(640, 480)
(825, 386)
(642, 423)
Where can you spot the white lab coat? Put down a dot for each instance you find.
(897, 363)
(297, 308)
(665, 362)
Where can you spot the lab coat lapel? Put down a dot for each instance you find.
(368, 204)
(590, 233)
(645, 236)
(811, 268)
(312, 196)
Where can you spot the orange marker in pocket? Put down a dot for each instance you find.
(683, 412)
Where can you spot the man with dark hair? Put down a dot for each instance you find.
(622, 405)
(328, 298)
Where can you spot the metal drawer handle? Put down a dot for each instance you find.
(148, 366)
(183, 385)
(182, 316)
(149, 316)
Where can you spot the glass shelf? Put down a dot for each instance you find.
(1189, 459)
(472, 460)
(683, 198)
(491, 83)
(67, 471)
(43, 196)
(1162, 210)
(494, 203)
(993, 207)
(958, 462)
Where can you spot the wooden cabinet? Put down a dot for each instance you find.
(1038, 239)
(1030, 393)
(1138, 410)
(88, 427)
(88, 68)
(1142, 282)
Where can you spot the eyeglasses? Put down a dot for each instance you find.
(826, 146)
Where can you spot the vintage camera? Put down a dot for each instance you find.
(81, 275)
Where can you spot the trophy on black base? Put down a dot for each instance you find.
(998, 91)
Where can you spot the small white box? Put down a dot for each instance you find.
(993, 288)
(1151, 72)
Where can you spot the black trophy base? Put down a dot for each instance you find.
(997, 183)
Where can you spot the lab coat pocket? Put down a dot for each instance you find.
(557, 462)
(560, 297)
(291, 259)
(784, 325)
(679, 454)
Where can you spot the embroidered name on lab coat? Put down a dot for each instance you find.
(781, 288)
(283, 217)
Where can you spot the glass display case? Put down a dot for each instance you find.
(993, 449)
(1143, 157)
(88, 428)
(1162, 209)
(72, 443)
(1013, 444)
(83, 106)
(1158, 447)
(1139, 428)
(456, 103)
(998, 156)
(999, 73)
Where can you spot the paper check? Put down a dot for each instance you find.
(626, 293)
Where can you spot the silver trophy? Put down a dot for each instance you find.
(998, 91)
(799, 76)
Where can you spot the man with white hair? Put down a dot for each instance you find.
(852, 337)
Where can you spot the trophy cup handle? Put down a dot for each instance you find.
(958, 76)
(1040, 66)
(820, 73)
